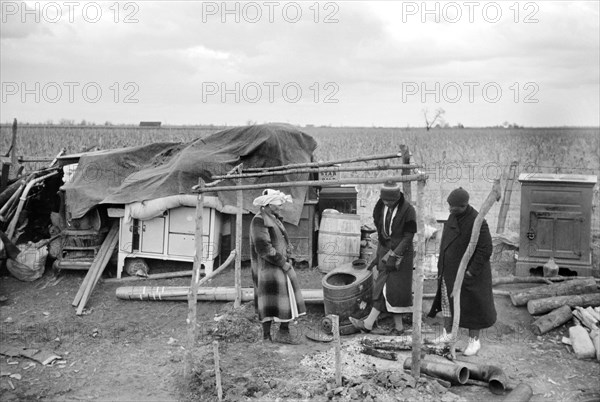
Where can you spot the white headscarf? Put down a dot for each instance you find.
(270, 196)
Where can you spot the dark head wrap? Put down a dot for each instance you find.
(458, 197)
(390, 191)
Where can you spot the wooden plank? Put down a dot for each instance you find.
(504, 207)
(100, 262)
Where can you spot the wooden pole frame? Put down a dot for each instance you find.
(201, 188)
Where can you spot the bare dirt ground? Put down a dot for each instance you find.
(133, 351)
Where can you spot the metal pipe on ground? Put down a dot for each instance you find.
(455, 373)
(494, 376)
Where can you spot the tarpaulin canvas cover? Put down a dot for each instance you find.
(158, 170)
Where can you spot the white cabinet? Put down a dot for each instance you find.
(170, 237)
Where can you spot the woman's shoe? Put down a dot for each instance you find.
(473, 347)
(359, 324)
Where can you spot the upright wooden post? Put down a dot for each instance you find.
(13, 149)
(335, 320)
(238, 245)
(217, 370)
(193, 291)
(418, 283)
(506, 199)
(406, 186)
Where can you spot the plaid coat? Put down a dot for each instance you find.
(269, 246)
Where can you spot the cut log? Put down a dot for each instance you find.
(582, 343)
(552, 320)
(503, 280)
(542, 306)
(575, 287)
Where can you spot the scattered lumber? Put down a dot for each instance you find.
(541, 306)
(574, 287)
(382, 354)
(581, 343)
(552, 320)
(586, 318)
(592, 312)
(96, 269)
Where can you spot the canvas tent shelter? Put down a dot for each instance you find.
(139, 174)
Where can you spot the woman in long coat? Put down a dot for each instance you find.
(477, 310)
(395, 220)
(277, 294)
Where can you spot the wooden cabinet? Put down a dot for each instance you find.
(556, 216)
(170, 237)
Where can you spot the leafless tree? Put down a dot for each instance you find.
(438, 115)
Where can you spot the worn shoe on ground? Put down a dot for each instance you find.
(473, 347)
(318, 336)
(359, 324)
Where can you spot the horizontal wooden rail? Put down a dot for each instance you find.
(316, 183)
(328, 163)
(316, 170)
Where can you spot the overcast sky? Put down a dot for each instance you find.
(353, 63)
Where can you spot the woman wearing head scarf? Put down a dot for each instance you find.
(477, 310)
(277, 295)
(396, 223)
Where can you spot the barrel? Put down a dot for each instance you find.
(347, 292)
(339, 239)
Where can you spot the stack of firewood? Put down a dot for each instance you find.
(557, 303)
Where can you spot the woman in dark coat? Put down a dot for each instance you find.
(277, 294)
(477, 310)
(396, 223)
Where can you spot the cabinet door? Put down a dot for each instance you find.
(153, 235)
(555, 234)
(183, 220)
